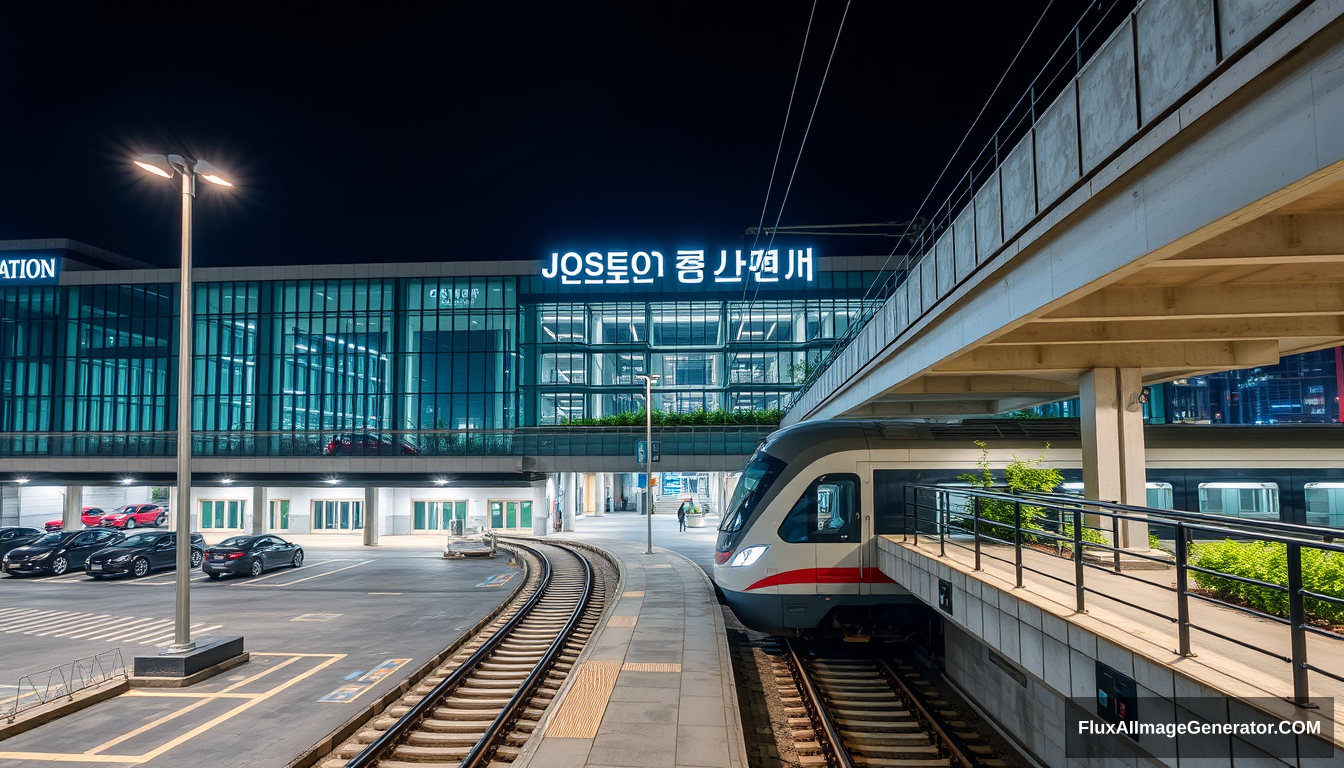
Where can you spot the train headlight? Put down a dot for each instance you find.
(748, 556)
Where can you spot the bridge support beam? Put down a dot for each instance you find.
(370, 516)
(259, 510)
(1113, 455)
(71, 517)
(571, 500)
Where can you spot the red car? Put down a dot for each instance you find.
(90, 516)
(133, 515)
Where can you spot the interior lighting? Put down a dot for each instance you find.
(127, 480)
(333, 481)
(226, 480)
(440, 481)
(21, 480)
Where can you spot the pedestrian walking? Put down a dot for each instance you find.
(681, 513)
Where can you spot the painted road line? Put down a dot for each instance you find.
(144, 583)
(85, 620)
(306, 567)
(300, 581)
(317, 617)
(94, 627)
(131, 626)
(141, 631)
(33, 622)
(261, 674)
(384, 593)
(39, 625)
(10, 613)
(151, 725)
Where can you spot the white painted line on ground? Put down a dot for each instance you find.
(40, 620)
(300, 581)
(306, 566)
(126, 623)
(66, 627)
(134, 633)
(93, 626)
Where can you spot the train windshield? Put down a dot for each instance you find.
(757, 477)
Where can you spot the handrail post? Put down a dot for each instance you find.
(1115, 541)
(1297, 619)
(1182, 591)
(1017, 539)
(915, 507)
(975, 526)
(1079, 591)
(943, 519)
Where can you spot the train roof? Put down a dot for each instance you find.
(811, 438)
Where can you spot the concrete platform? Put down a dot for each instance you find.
(654, 688)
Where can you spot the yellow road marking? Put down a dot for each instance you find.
(177, 695)
(300, 581)
(60, 757)
(581, 711)
(151, 725)
(260, 674)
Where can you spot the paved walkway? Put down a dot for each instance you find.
(654, 688)
(1232, 668)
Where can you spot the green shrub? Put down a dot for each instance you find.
(1322, 572)
(769, 418)
(1020, 475)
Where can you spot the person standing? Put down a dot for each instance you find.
(681, 514)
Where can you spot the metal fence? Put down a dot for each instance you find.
(987, 523)
(63, 682)
(527, 441)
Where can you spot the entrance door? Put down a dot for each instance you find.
(827, 516)
(333, 515)
(279, 515)
(511, 515)
(496, 515)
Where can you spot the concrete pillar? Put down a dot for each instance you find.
(539, 507)
(370, 516)
(1113, 452)
(259, 510)
(571, 501)
(71, 519)
(592, 504)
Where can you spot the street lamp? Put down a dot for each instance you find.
(170, 166)
(648, 453)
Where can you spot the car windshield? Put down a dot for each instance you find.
(50, 538)
(757, 477)
(126, 510)
(139, 540)
(241, 542)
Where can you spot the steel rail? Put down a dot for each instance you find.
(478, 754)
(408, 722)
(930, 722)
(814, 702)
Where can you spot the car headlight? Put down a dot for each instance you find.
(121, 559)
(748, 556)
(42, 556)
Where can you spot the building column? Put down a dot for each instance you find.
(71, 517)
(540, 506)
(571, 501)
(592, 493)
(1113, 452)
(370, 516)
(259, 510)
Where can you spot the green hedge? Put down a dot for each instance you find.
(768, 418)
(1322, 572)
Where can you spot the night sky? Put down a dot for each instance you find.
(413, 132)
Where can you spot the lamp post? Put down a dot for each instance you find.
(170, 166)
(648, 453)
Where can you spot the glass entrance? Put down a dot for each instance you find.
(279, 515)
(438, 515)
(338, 515)
(511, 515)
(222, 514)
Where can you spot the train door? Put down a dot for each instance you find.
(828, 518)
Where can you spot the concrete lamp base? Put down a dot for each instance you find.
(174, 670)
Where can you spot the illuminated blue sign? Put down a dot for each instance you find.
(35, 271)
(691, 267)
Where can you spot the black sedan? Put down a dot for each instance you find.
(56, 553)
(140, 553)
(13, 537)
(250, 555)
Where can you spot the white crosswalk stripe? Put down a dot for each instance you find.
(74, 625)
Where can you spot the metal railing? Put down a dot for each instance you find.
(1020, 174)
(64, 682)
(987, 522)
(706, 440)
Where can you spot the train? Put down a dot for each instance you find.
(796, 552)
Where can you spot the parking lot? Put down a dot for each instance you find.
(350, 622)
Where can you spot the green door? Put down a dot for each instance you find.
(496, 514)
(459, 510)
(525, 512)
(280, 514)
(510, 514)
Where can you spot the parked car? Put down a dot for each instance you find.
(250, 555)
(13, 537)
(90, 516)
(133, 515)
(56, 553)
(365, 444)
(140, 553)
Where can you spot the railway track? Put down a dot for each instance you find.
(846, 710)
(480, 706)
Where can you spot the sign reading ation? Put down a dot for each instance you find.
(691, 267)
(30, 270)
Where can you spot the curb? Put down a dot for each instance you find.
(43, 715)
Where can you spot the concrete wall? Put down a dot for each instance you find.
(1044, 658)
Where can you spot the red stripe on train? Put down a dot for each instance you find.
(825, 576)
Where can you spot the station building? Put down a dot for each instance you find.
(400, 397)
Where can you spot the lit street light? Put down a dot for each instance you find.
(648, 453)
(187, 171)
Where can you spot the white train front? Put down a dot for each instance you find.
(797, 548)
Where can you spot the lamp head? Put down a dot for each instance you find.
(211, 174)
(155, 164)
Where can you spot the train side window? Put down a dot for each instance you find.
(1325, 504)
(1248, 500)
(827, 511)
